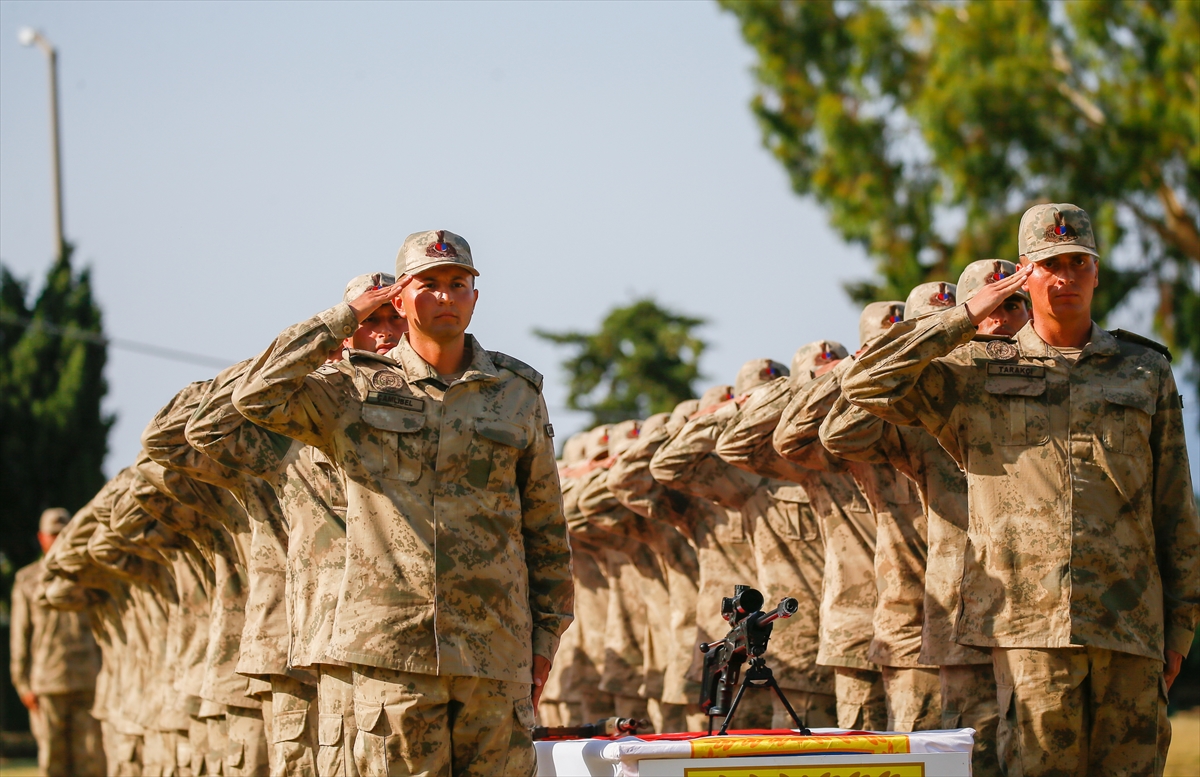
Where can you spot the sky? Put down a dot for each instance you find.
(229, 166)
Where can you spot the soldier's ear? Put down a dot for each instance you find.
(1096, 277)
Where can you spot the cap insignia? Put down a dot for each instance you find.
(1060, 231)
(440, 248)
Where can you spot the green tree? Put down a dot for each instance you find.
(53, 432)
(926, 128)
(643, 360)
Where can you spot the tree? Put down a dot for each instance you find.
(53, 432)
(644, 356)
(926, 128)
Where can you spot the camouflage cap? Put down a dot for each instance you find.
(877, 317)
(714, 396)
(926, 298)
(422, 250)
(1055, 228)
(807, 358)
(54, 520)
(756, 372)
(681, 413)
(622, 436)
(654, 423)
(596, 446)
(978, 274)
(363, 283)
(574, 448)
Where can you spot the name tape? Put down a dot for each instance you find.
(1017, 370)
(395, 400)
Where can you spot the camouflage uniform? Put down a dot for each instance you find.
(54, 656)
(838, 633)
(686, 463)
(454, 509)
(248, 628)
(1080, 470)
(630, 483)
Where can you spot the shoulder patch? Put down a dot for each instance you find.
(357, 355)
(504, 361)
(1137, 339)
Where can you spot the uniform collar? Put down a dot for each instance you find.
(1100, 343)
(417, 369)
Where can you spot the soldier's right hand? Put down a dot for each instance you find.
(366, 303)
(29, 699)
(993, 295)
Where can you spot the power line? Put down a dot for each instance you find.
(75, 333)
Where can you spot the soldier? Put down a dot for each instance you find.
(457, 583)
(1080, 570)
(311, 493)
(846, 528)
(54, 663)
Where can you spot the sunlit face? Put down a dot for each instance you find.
(439, 302)
(1007, 319)
(1061, 287)
(381, 331)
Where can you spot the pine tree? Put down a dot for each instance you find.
(53, 431)
(643, 360)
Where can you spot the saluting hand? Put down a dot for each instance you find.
(366, 303)
(993, 295)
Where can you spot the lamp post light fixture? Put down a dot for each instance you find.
(31, 37)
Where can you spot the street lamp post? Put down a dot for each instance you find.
(30, 37)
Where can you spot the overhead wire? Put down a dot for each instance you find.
(149, 349)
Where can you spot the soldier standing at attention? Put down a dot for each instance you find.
(458, 580)
(1080, 570)
(54, 663)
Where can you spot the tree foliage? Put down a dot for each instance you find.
(926, 128)
(53, 432)
(643, 360)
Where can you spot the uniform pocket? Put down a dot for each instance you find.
(1018, 412)
(235, 755)
(493, 458)
(1126, 424)
(395, 444)
(289, 726)
(367, 714)
(799, 522)
(329, 730)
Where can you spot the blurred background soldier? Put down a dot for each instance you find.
(54, 666)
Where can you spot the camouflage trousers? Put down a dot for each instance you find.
(969, 701)
(418, 724)
(914, 698)
(336, 727)
(246, 738)
(69, 740)
(290, 715)
(861, 702)
(1080, 711)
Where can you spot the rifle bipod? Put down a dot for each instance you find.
(758, 675)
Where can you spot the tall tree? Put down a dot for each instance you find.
(926, 128)
(53, 432)
(643, 360)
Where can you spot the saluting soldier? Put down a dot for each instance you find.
(458, 582)
(1080, 570)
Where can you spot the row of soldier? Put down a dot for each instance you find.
(924, 498)
(349, 555)
(209, 572)
(214, 570)
(666, 514)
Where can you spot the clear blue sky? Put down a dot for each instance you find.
(228, 166)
